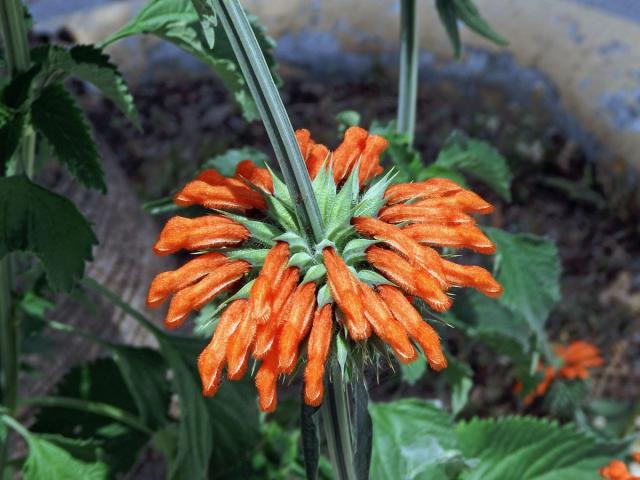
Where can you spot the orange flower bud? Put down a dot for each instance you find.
(272, 270)
(616, 470)
(198, 295)
(211, 177)
(578, 357)
(211, 360)
(267, 331)
(266, 382)
(419, 214)
(343, 286)
(239, 347)
(296, 326)
(210, 231)
(232, 195)
(348, 152)
(260, 177)
(386, 327)
(317, 352)
(432, 188)
(413, 323)
(370, 158)
(464, 200)
(459, 236)
(472, 276)
(318, 157)
(409, 278)
(166, 283)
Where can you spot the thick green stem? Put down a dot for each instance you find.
(336, 421)
(14, 36)
(8, 354)
(408, 86)
(274, 116)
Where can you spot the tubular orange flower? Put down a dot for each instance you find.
(577, 358)
(211, 231)
(273, 319)
(317, 351)
(636, 457)
(417, 328)
(616, 470)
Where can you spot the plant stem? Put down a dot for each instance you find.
(336, 421)
(14, 36)
(274, 116)
(8, 344)
(408, 84)
(97, 408)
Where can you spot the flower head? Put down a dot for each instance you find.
(280, 296)
(616, 470)
(576, 360)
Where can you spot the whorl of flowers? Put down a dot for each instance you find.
(284, 295)
(576, 360)
(617, 470)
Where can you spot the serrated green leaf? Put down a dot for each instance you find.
(565, 397)
(529, 448)
(295, 241)
(478, 159)
(280, 212)
(528, 267)
(264, 233)
(324, 190)
(458, 376)
(178, 22)
(17, 92)
(411, 440)
(39, 221)
(48, 460)
(255, 256)
(56, 115)
(226, 163)
(372, 278)
(91, 64)
(340, 211)
(373, 199)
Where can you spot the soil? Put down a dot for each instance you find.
(555, 194)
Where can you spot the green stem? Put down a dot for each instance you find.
(274, 116)
(97, 408)
(14, 36)
(8, 343)
(408, 85)
(336, 422)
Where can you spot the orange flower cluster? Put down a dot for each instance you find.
(577, 358)
(617, 470)
(282, 314)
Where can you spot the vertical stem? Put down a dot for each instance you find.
(408, 85)
(337, 426)
(16, 50)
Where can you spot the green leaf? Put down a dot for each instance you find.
(255, 256)
(529, 448)
(565, 397)
(412, 372)
(120, 443)
(37, 220)
(373, 199)
(226, 162)
(372, 278)
(324, 189)
(178, 22)
(354, 250)
(314, 274)
(48, 460)
(528, 267)
(92, 65)
(340, 211)
(478, 159)
(145, 373)
(220, 431)
(406, 159)
(264, 233)
(449, 19)
(346, 119)
(470, 15)
(412, 439)
(458, 376)
(10, 136)
(56, 115)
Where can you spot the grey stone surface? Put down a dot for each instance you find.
(629, 9)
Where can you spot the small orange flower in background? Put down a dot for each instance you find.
(617, 470)
(577, 358)
(281, 298)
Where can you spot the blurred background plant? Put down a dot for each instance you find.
(138, 410)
